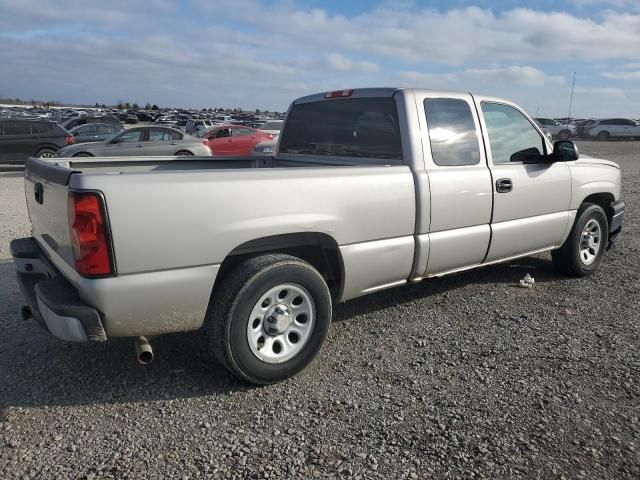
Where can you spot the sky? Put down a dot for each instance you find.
(263, 54)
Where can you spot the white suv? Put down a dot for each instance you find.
(558, 130)
(614, 127)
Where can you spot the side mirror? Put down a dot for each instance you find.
(565, 151)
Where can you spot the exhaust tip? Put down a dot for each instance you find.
(25, 312)
(144, 350)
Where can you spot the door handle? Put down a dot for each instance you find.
(139, 146)
(504, 185)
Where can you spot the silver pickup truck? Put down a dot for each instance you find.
(369, 189)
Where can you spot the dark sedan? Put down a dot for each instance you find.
(94, 132)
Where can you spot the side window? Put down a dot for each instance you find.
(240, 132)
(160, 135)
(512, 138)
(41, 128)
(88, 129)
(222, 133)
(132, 136)
(629, 123)
(452, 132)
(17, 128)
(107, 129)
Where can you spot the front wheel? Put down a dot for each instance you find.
(269, 318)
(582, 251)
(46, 153)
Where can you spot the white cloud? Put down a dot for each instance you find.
(628, 75)
(263, 55)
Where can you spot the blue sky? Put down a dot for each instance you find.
(260, 54)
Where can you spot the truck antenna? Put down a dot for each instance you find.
(571, 99)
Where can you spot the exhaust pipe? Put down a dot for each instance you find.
(144, 351)
(26, 313)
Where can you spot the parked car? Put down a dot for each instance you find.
(234, 140)
(273, 127)
(128, 118)
(144, 117)
(94, 132)
(562, 131)
(369, 189)
(20, 139)
(265, 149)
(141, 141)
(74, 122)
(614, 128)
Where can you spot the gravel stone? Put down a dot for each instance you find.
(468, 376)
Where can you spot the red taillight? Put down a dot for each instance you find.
(338, 94)
(269, 136)
(89, 235)
(69, 140)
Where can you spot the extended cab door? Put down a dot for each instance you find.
(459, 182)
(530, 200)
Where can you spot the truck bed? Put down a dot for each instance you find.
(120, 165)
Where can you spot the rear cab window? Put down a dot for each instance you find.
(351, 127)
(452, 132)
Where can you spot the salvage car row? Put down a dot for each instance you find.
(104, 136)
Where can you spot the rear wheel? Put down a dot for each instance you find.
(564, 135)
(184, 153)
(46, 152)
(582, 251)
(603, 136)
(269, 318)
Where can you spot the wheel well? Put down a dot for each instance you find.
(318, 249)
(49, 146)
(83, 153)
(604, 201)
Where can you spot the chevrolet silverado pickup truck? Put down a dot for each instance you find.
(368, 189)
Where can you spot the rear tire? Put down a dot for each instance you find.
(46, 152)
(269, 318)
(184, 153)
(582, 251)
(564, 135)
(603, 136)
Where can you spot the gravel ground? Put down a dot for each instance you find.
(463, 377)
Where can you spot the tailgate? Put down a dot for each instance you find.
(47, 189)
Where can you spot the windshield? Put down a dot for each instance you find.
(353, 127)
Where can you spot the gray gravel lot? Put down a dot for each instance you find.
(463, 377)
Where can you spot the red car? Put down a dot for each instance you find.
(234, 140)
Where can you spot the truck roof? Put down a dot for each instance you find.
(387, 92)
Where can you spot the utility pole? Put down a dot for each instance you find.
(571, 99)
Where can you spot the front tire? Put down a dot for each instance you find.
(45, 152)
(582, 251)
(269, 318)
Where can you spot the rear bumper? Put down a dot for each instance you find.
(617, 219)
(53, 301)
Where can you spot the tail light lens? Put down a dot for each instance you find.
(89, 235)
(269, 136)
(206, 144)
(69, 140)
(338, 94)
